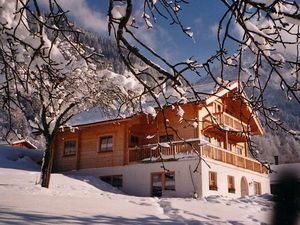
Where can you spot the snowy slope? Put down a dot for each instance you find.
(20, 158)
(86, 200)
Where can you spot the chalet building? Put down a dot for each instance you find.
(141, 157)
(23, 144)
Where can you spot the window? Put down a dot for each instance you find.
(114, 180)
(170, 181)
(231, 187)
(230, 147)
(257, 188)
(70, 148)
(206, 138)
(218, 108)
(219, 143)
(106, 144)
(166, 138)
(213, 181)
(239, 150)
(162, 182)
(134, 141)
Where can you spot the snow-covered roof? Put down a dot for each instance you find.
(98, 114)
(20, 158)
(284, 170)
(25, 141)
(93, 115)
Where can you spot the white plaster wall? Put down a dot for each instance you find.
(137, 177)
(223, 170)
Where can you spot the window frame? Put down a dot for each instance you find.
(257, 188)
(132, 143)
(110, 180)
(218, 107)
(162, 176)
(219, 143)
(212, 181)
(239, 150)
(231, 184)
(170, 138)
(99, 150)
(64, 148)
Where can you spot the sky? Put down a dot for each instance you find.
(169, 41)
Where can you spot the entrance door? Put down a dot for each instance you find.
(244, 187)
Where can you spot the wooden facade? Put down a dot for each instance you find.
(223, 120)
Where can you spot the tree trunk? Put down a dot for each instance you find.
(47, 163)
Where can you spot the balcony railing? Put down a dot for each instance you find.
(229, 157)
(224, 119)
(153, 151)
(149, 154)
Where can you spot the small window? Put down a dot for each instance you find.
(70, 148)
(230, 147)
(231, 185)
(213, 181)
(166, 138)
(218, 108)
(206, 138)
(257, 188)
(239, 150)
(114, 180)
(134, 141)
(106, 144)
(219, 143)
(170, 181)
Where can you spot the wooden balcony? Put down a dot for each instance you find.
(148, 151)
(225, 120)
(232, 158)
(149, 154)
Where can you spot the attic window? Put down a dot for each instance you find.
(218, 108)
(70, 147)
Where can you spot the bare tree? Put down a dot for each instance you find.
(51, 78)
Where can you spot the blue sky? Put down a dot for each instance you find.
(202, 16)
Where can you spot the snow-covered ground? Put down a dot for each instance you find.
(87, 200)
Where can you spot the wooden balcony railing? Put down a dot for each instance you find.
(224, 119)
(147, 152)
(207, 151)
(229, 157)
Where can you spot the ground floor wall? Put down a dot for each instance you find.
(245, 181)
(138, 179)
